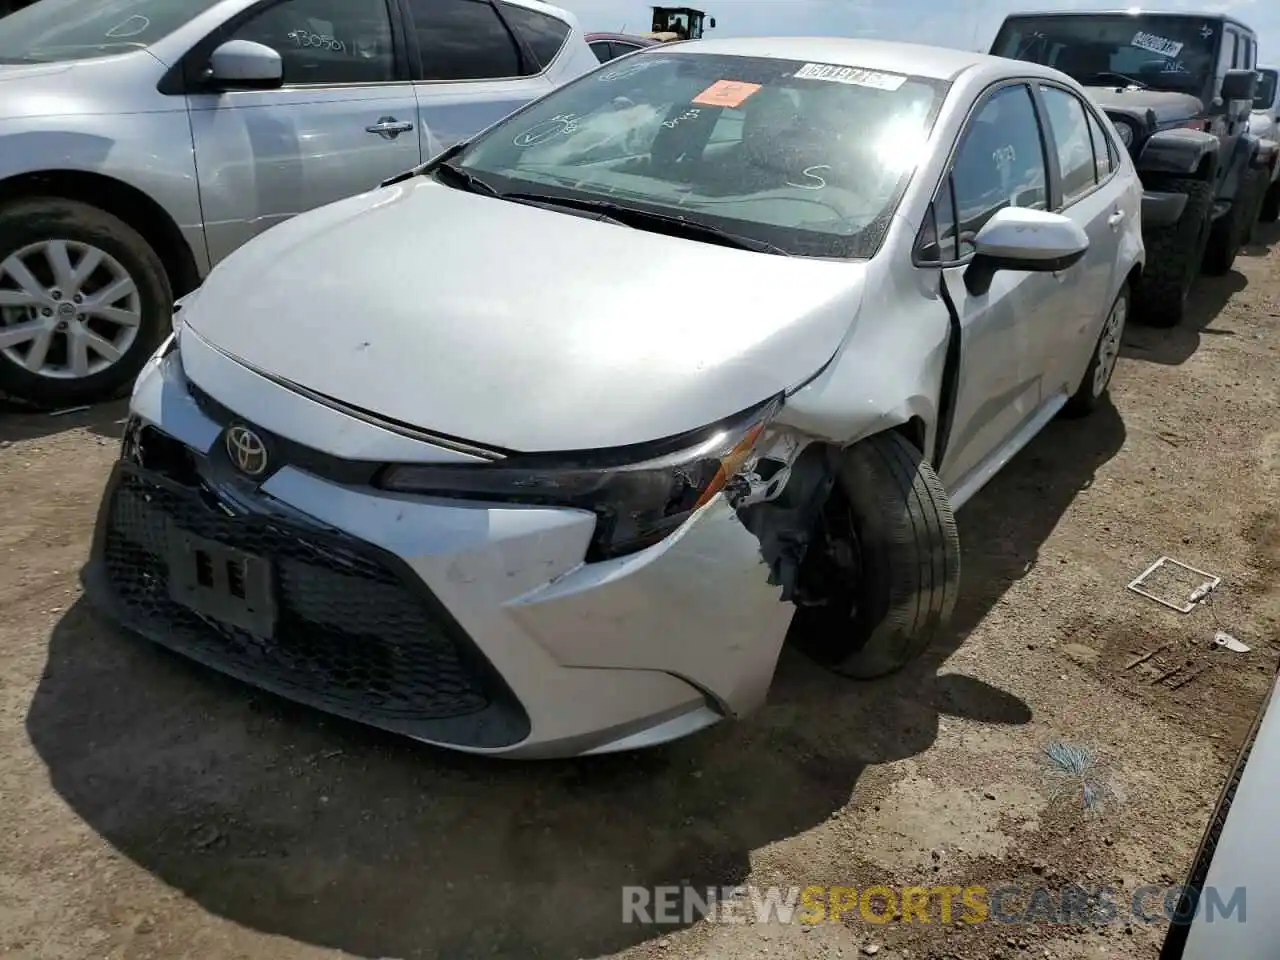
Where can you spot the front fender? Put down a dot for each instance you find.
(1180, 152)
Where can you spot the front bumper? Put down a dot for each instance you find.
(474, 626)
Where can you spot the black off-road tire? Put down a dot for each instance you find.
(908, 570)
(1087, 397)
(1270, 212)
(1258, 181)
(35, 219)
(1232, 230)
(1174, 256)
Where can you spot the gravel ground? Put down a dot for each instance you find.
(152, 809)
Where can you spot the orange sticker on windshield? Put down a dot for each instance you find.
(726, 93)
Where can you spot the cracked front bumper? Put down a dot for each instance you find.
(474, 626)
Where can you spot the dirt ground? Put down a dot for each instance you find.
(152, 809)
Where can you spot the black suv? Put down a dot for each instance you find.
(1179, 88)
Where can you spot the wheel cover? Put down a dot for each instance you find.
(1109, 345)
(68, 310)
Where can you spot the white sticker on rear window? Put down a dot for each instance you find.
(1149, 41)
(850, 75)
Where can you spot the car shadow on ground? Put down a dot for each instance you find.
(19, 422)
(1208, 296)
(298, 825)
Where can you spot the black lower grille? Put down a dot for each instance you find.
(350, 634)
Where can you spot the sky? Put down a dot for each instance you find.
(969, 24)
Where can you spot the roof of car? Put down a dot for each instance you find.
(1133, 12)
(933, 63)
(624, 37)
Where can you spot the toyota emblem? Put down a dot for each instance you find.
(247, 451)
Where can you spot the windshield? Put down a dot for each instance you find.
(54, 30)
(1266, 94)
(1161, 52)
(809, 158)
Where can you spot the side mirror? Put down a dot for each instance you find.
(245, 65)
(1019, 238)
(1239, 85)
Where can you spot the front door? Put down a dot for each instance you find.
(1001, 162)
(342, 122)
(472, 73)
(1093, 198)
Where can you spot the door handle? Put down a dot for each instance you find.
(389, 127)
(1114, 220)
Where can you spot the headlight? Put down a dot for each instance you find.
(640, 495)
(1125, 130)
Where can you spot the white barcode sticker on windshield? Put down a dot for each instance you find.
(850, 75)
(1149, 41)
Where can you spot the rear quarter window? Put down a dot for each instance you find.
(543, 34)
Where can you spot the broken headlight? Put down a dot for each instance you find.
(640, 495)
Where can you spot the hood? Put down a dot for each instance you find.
(31, 71)
(518, 327)
(1167, 107)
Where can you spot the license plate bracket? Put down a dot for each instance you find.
(221, 582)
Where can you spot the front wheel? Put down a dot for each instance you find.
(1092, 391)
(1174, 255)
(84, 301)
(886, 561)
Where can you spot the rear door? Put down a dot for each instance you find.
(1097, 201)
(477, 61)
(343, 121)
(1000, 162)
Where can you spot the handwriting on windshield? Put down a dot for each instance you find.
(129, 28)
(813, 180)
(691, 114)
(624, 70)
(561, 125)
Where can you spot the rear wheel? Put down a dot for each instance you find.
(887, 562)
(1174, 255)
(1233, 229)
(1271, 205)
(84, 301)
(1093, 388)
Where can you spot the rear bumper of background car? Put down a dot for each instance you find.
(475, 626)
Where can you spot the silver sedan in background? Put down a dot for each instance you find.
(141, 141)
(768, 311)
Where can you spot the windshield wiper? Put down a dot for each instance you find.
(464, 179)
(1129, 81)
(646, 219)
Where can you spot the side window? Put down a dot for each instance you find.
(463, 40)
(601, 49)
(1103, 150)
(1000, 163)
(543, 34)
(1248, 54)
(327, 41)
(1070, 126)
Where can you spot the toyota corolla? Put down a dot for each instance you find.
(547, 446)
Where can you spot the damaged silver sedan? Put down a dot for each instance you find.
(546, 448)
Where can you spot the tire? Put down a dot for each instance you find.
(891, 604)
(1270, 212)
(1092, 392)
(1232, 230)
(1174, 256)
(120, 252)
